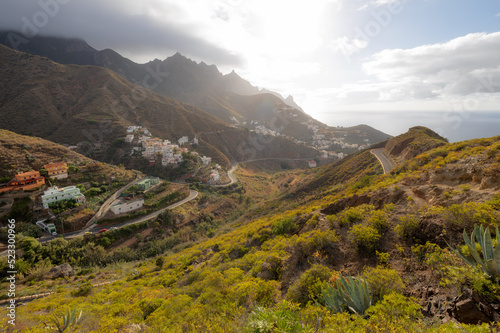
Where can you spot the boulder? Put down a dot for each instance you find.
(468, 312)
(64, 270)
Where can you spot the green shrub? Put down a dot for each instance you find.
(256, 291)
(307, 288)
(383, 257)
(352, 215)
(383, 281)
(283, 226)
(379, 221)
(394, 311)
(148, 306)
(83, 290)
(464, 216)
(160, 261)
(408, 226)
(313, 221)
(364, 237)
(283, 318)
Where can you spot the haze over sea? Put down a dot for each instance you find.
(454, 126)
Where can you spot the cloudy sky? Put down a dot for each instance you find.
(331, 55)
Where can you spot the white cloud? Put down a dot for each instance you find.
(463, 66)
(348, 46)
(463, 73)
(379, 3)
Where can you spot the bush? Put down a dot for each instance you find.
(394, 311)
(383, 281)
(408, 226)
(379, 221)
(352, 215)
(83, 290)
(148, 306)
(283, 318)
(364, 237)
(283, 226)
(307, 288)
(464, 216)
(93, 191)
(160, 261)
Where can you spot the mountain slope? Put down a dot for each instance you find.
(228, 97)
(392, 232)
(91, 105)
(176, 76)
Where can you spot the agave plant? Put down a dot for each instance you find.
(68, 319)
(349, 293)
(489, 262)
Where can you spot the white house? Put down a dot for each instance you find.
(206, 160)
(183, 140)
(132, 129)
(312, 164)
(127, 206)
(55, 194)
(214, 176)
(129, 138)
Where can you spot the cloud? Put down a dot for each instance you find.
(348, 46)
(463, 66)
(379, 3)
(135, 29)
(461, 74)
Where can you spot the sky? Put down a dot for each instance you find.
(333, 56)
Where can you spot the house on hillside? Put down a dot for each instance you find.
(312, 164)
(183, 140)
(24, 181)
(214, 177)
(57, 170)
(129, 138)
(206, 160)
(55, 194)
(127, 206)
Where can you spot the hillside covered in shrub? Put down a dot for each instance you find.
(343, 248)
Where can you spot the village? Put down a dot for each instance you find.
(167, 153)
(52, 196)
(329, 146)
(50, 204)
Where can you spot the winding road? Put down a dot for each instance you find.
(192, 195)
(385, 159)
(233, 178)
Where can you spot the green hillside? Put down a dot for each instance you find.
(267, 273)
(273, 269)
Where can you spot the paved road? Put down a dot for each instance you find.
(105, 206)
(192, 195)
(384, 158)
(231, 176)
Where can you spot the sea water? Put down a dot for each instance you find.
(455, 126)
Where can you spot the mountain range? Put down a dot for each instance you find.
(91, 105)
(227, 97)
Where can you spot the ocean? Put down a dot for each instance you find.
(455, 126)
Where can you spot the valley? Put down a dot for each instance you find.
(205, 204)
